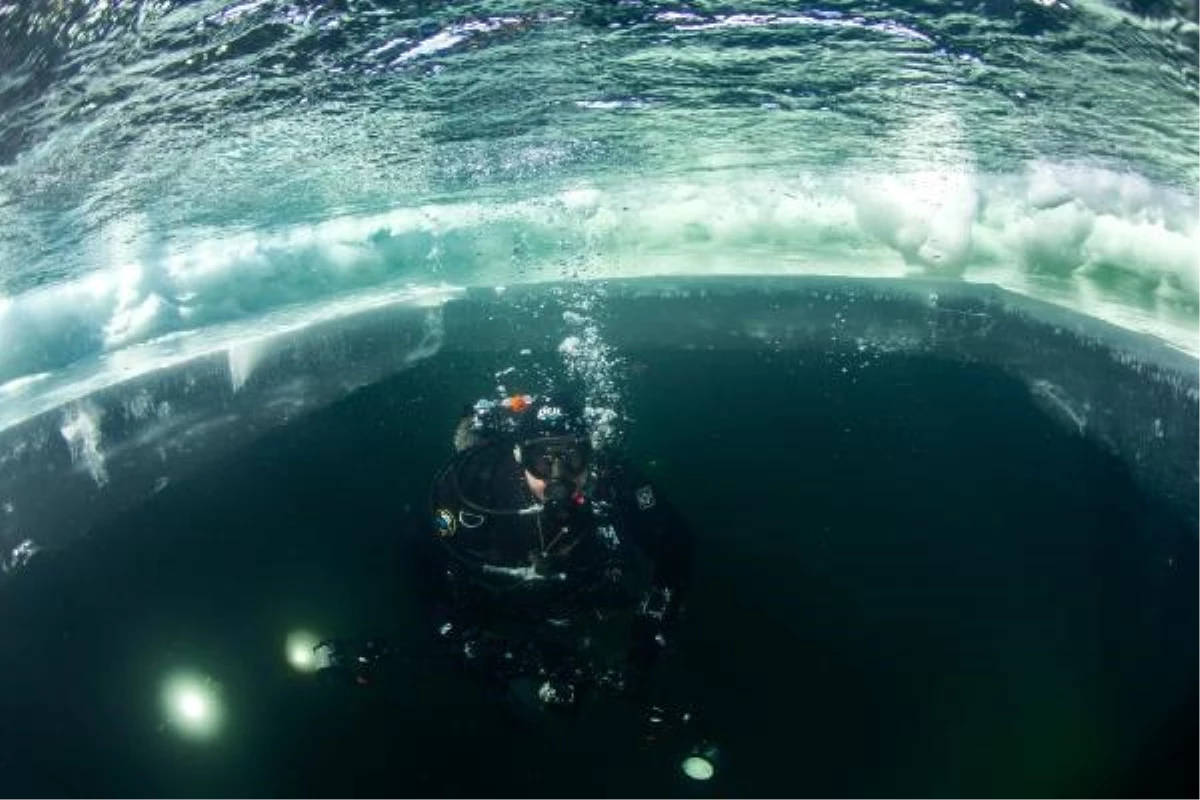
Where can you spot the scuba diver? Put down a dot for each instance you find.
(562, 568)
(561, 571)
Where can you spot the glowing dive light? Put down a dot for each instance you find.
(701, 763)
(301, 653)
(192, 705)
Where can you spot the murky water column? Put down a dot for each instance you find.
(918, 573)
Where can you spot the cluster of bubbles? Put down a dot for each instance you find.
(587, 367)
(593, 363)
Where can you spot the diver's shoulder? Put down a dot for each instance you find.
(474, 470)
(483, 455)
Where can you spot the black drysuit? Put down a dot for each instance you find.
(588, 593)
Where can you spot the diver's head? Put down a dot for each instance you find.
(554, 449)
(555, 467)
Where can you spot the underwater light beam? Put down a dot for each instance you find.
(301, 647)
(192, 706)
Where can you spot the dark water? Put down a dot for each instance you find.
(910, 583)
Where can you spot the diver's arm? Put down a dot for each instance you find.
(453, 556)
(661, 533)
(456, 611)
(653, 524)
(358, 661)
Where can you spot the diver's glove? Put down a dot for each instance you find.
(557, 692)
(662, 720)
(346, 661)
(656, 604)
(651, 628)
